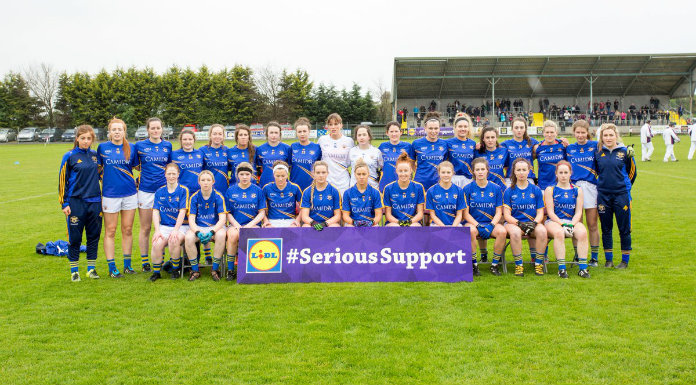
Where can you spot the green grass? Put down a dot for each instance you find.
(634, 326)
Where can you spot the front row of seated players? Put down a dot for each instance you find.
(481, 205)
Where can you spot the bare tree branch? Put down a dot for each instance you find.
(267, 81)
(43, 84)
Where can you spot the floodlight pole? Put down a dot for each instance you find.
(691, 97)
(493, 81)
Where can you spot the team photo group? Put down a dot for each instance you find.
(194, 201)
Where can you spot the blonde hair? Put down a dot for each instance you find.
(360, 164)
(607, 126)
(214, 126)
(445, 163)
(463, 116)
(550, 123)
(206, 172)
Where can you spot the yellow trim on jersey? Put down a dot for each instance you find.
(489, 216)
(123, 170)
(61, 183)
(591, 170)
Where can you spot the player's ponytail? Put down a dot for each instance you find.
(126, 145)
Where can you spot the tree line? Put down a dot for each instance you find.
(42, 97)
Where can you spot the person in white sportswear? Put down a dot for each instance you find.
(334, 151)
(692, 135)
(670, 138)
(646, 136)
(370, 154)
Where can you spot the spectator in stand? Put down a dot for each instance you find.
(623, 117)
(616, 104)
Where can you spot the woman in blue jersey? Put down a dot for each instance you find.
(119, 194)
(271, 151)
(548, 153)
(246, 207)
(444, 200)
(215, 157)
(243, 151)
(430, 151)
(404, 199)
(616, 171)
(321, 202)
(80, 200)
(485, 213)
(523, 211)
(303, 154)
(494, 153)
(520, 146)
(152, 155)
(461, 150)
(581, 156)
(563, 203)
(168, 215)
(189, 160)
(362, 203)
(282, 199)
(207, 217)
(391, 150)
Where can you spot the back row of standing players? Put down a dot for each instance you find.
(341, 153)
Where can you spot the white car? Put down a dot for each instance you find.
(29, 134)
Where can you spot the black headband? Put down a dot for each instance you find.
(244, 168)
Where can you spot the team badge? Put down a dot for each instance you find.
(311, 152)
(264, 255)
(530, 195)
(94, 158)
(253, 195)
(490, 194)
(180, 157)
(74, 220)
(413, 195)
(147, 149)
(79, 161)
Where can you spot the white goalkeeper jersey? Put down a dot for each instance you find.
(335, 153)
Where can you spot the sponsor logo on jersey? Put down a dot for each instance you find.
(264, 255)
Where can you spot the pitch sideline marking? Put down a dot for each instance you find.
(27, 198)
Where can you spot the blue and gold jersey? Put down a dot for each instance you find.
(461, 153)
(548, 156)
(245, 204)
(152, 159)
(321, 203)
(564, 202)
(79, 176)
(361, 205)
(190, 166)
(282, 204)
(582, 160)
(497, 161)
(523, 204)
(389, 154)
(266, 155)
(117, 171)
(520, 149)
(302, 159)
(616, 171)
(168, 204)
(207, 211)
(445, 202)
(428, 156)
(404, 202)
(235, 156)
(483, 201)
(215, 160)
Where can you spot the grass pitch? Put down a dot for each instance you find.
(634, 326)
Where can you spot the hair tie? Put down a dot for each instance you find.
(433, 120)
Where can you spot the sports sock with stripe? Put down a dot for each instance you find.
(609, 255)
(156, 267)
(91, 264)
(216, 263)
(594, 252)
(74, 266)
(496, 259)
(194, 264)
(127, 261)
(176, 263)
(518, 259)
(625, 256)
(112, 264)
(230, 262)
(145, 259)
(473, 259)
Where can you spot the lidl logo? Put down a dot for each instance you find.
(264, 255)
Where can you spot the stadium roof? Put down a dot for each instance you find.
(536, 76)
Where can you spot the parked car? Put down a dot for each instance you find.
(141, 133)
(28, 134)
(167, 132)
(7, 134)
(68, 135)
(100, 133)
(51, 134)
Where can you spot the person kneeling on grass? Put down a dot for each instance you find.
(321, 202)
(247, 208)
(483, 217)
(362, 203)
(168, 214)
(404, 199)
(523, 210)
(445, 201)
(207, 215)
(563, 203)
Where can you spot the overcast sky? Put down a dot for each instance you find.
(337, 42)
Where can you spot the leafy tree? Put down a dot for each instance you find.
(295, 94)
(17, 107)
